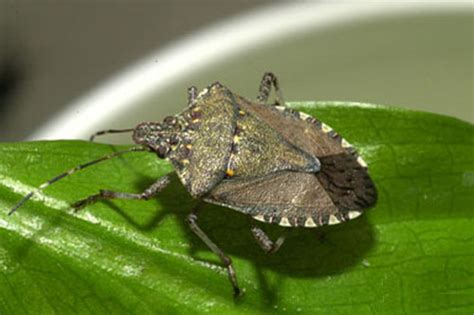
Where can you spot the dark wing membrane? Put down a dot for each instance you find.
(285, 198)
(347, 182)
(211, 140)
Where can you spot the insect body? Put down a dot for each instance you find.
(273, 163)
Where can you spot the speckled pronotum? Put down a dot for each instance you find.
(270, 162)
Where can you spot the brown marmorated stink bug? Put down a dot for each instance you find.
(273, 163)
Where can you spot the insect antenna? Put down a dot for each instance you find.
(72, 171)
(103, 132)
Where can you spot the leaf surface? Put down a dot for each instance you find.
(413, 253)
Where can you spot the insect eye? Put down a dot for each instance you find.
(174, 140)
(162, 151)
(170, 120)
(195, 115)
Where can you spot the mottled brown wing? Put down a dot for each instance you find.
(343, 175)
(285, 198)
(300, 129)
(210, 140)
(258, 149)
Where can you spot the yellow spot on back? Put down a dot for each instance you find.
(185, 161)
(309, 222)
(333, 220)
(196, 109)
(236, 139)
(354, 214)
(284, 222)
(303, 116)
(325, 128)
(361, 161)
(203, 92)
(189, 146)
(345, 144)
(259, 217)
(230, 172)
(241, 112)
(196, 120)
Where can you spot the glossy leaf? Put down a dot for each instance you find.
(411, 254)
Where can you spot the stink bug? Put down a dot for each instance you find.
(273, 163)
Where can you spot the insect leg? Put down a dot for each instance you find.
(155, 188)
(192, 221)
(265, 88)
(72, 171)
(267, 245)
(192, 94)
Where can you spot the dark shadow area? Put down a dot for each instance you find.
(164, 196)
(306, 253)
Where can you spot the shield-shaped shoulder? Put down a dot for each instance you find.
(200, 160)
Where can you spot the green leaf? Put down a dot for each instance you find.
(411, 254)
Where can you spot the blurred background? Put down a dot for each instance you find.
(51, 52)
(72, 67)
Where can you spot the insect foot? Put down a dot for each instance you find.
(192, 221)
(272, 163)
